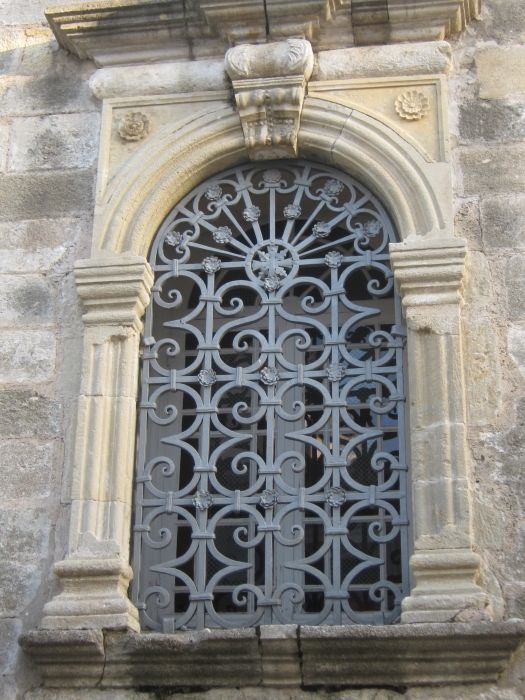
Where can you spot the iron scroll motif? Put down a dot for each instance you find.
(271, 478)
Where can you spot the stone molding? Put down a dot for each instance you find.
(173, 77)
(113, 32)
(113, 291)
(269, 83)
(277, 657)
(430, 271)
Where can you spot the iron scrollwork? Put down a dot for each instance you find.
(271, 470)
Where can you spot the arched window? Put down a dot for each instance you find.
(271, 470)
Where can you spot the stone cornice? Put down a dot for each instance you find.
(308, 657)
(113, 32)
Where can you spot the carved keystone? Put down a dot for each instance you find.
(269, 82)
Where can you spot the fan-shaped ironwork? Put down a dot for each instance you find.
(271, 468)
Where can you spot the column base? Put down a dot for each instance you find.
(445, 588)
(94, 596)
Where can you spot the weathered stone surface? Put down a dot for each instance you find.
(501, 71)
(46, 81)
(4, 140)
(26, 468)
(49, 194)
(480, 120)
(492, 170)
(93, 694)
(483, 370)
(516, 345)
(502, 20)
(466, 222)
(54, 142)
(503, 221)
(42, 241)
(515, 281)
(25, 533)
(26, 299)
(27, 356)
(24, 413)
(19, 584)
(9, 632)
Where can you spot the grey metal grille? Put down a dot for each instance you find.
(271, 467)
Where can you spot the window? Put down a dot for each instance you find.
(271, 465)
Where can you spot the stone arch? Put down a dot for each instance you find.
(179, 157)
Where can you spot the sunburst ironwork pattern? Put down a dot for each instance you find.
(271, 478)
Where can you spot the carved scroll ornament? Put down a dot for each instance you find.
(269, 83)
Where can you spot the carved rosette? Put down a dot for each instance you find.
(134, 126)
(269, 82)
(412, 105)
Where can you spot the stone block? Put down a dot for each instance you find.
(10, 630)
(26, 299)
(26, 413)
(50, 194)
(58, 141)
(515, 280)
(25, 534)
(501, 71)
(515, 599)
(483, 370)
(93, 694)
(4, 140)
(26, 468)
(381, 61)
(516, 346)
(19, 584)
(503, 221)
(27, 356)
(466, 222)
(29, 12)
(491, 170)
(42, 261)
(47, 81)
(481, 120)
(43, 245)
(502, 19)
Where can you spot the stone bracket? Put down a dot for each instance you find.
(277, 657)
(269, 83)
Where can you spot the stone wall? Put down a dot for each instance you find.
(49, 125)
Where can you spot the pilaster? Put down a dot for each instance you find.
(95, 574)
(429, 275)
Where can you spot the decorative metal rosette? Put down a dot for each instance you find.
(202, 500)
(269, 376)
(269, 498)
(251, 214)
(207, 377)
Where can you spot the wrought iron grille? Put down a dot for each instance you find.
(271, 468)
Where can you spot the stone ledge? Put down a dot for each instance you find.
(360, 655)
(113, 32)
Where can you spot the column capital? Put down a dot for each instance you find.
(429, 271)
(114, 290)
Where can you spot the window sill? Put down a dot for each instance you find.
(287, 656)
